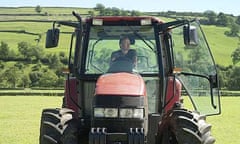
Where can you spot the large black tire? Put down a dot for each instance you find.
(53, 124)
(180, 126)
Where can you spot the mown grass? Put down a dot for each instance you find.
(221, 45)
(226, 127)
(20, 118)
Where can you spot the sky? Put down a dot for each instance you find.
(225, 6)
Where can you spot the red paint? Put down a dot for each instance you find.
(71, 94)
(125, 18)
(120, 84)
(170, 92)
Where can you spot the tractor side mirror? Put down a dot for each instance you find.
(190, 35)
(52, 38)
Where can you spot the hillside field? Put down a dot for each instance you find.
(221, 45)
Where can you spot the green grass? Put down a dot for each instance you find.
(20, 119)
(221, 45)
(226, 127)
(49, 10)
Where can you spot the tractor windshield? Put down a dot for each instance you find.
(104, 40)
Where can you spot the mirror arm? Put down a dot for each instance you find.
(77, 16)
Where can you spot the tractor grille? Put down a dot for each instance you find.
(118, 125)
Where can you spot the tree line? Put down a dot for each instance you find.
(208, 17)
(30, 67)
(33, 67)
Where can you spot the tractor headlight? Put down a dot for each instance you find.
(106, 112)
(98, 112)
(111, 112)
(121, 112)
(138, 113)
(126, 113)
(131, 113)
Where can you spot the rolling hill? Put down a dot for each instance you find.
(221, 45)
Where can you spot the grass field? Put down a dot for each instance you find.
(20, 117)
(221, 45)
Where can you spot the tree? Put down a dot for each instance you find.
(23, 48)
(11, 75)
(38, 9)
(4, 50)
(135, 13)
(101, 8)
(54, 61)
(35, 77)
(25, 81)
(35, 52)
(19, 65)
(124, 12)
(2, 65)
(211, 15)
(48, 79)
(222, 19)
(60, 82)
(30, 52)
(116, 11)
(234, 79)
(238, 20)
(234, 30)
(106, 12)
(236, 56)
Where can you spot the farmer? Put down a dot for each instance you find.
(125, 53)
(125, 59)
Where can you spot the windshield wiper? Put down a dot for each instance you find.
(140, 37)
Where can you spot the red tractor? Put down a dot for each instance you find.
(140, 102)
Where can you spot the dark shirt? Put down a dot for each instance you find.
(123, 62)
(130, 56)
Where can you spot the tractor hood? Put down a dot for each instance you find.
(120, 84)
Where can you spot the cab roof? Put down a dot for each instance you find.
(116, 19)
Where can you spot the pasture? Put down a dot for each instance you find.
(221, 45)
(20, 118)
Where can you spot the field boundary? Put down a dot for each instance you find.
(31, 92)
(60, 92)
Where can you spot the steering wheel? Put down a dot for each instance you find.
(123, 58)
(121, 64)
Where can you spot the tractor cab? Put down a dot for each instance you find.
(124, 103)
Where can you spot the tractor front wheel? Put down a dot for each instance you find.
(53, 124)
(180, 126)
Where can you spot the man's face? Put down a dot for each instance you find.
(125, 44)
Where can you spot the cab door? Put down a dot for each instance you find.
(194, 66)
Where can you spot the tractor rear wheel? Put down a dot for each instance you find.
(180, 126)
(53, 124)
